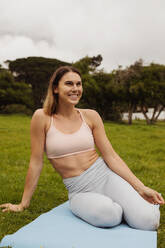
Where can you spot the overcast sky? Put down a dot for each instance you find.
(122, 31)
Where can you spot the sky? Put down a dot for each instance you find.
(122, 31)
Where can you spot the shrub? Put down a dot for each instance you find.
(16, 108)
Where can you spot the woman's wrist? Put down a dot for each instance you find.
(23, 205)
(139, 187)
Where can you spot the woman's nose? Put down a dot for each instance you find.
(74, 87)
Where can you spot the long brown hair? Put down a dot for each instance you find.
(51, 99)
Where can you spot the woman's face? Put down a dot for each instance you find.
(69, 88)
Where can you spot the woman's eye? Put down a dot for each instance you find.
(71, 83)
(68, 82)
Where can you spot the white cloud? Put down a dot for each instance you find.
(121, 31)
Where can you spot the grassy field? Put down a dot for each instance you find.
(142, 147)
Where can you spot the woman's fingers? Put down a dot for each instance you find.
(157, 198)
(3, 205)
(160, 198)
(5, 210)
(6, 205)
(11, 207)
(152, 196)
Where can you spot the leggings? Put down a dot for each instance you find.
(103, 199)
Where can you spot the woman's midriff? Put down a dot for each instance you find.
(74, 165)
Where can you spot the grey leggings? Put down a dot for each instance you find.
(102, 198)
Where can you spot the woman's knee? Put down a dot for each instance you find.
(151, 219)
(108, 215)
(96, 209)
(146, 220)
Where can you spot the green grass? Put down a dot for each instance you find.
(142, 147)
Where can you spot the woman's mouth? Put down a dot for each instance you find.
(73, 96)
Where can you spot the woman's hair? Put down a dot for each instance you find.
(51, 99)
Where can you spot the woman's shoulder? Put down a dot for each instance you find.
(90, 115)
(40, 116)
(40, 113)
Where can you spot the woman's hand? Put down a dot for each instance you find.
(151, 196)
(12, 207)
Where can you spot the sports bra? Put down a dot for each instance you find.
(59, 144)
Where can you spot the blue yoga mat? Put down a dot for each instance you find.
(59, 228)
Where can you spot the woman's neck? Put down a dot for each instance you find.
(66, 111)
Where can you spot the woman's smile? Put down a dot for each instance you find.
(74, 96)
(70, 88)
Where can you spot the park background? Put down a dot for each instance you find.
(119, 49)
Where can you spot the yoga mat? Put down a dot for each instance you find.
(59, 228)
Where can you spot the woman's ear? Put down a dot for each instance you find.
(55, 90)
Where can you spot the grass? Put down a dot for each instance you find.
(142, 147)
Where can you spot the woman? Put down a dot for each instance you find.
(101, 190)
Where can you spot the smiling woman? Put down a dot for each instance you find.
(67, 83)
(70, 85)
(102, 190)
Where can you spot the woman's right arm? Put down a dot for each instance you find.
(37, 132)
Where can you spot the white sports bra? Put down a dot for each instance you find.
(59, 144)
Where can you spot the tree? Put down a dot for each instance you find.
(142, 86)
(88, 64)
(35, 71)
(153, 91)
(97, 85)
(106, 97)
(126, 81)
(12, 92)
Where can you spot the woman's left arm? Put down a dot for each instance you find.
(116, 164)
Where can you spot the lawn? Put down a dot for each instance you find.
(142, 147)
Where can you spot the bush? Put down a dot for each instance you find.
(16, 108)
(113, 115)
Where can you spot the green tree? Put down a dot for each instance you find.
(98, 89)
(152, 91)
(88, 64)
(125, 81)
(12, 92)
(96, 84)
(106, 97)
(35, 71)
(142, 87)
